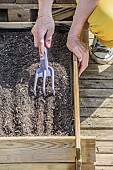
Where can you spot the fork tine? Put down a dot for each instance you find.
(35, 83)
(44, 82)
(52, 79)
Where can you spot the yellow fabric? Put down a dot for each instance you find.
(101, 22)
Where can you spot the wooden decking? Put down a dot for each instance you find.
(96, 98)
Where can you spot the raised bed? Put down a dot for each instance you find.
(24, 115)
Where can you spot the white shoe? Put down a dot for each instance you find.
(100, 53)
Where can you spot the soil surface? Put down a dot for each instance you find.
(22, 114)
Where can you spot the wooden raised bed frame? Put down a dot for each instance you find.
(52, 152)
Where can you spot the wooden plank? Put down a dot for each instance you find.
(26, 1)
(18, 25)
(96, 102)
(96, 93)
(29, 1)
(35, 166)
(19, 15)
(32, 6)
(99, 68)
(105, 123)
(7, 1)
(95, 71)
(95, 75)
(104, 167)
(77, 112)
(96, 84)
(104, 159)
(97, 112)
(3, 15)
(100, 134)
(45, 166)
(104, 147)
(63, 14)
(45, 149)
(26, 24)
(65, 1)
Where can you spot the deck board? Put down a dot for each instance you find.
(96, 101)
(99, 133)
(104, 123)
(97, 112)
(104, 167)
(96, 84)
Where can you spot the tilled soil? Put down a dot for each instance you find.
(22, 114)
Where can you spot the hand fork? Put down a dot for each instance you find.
(44, 71)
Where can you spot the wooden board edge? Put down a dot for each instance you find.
(45, 166)
(17, 25)
(46, 138)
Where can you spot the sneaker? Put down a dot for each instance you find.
(100, 53)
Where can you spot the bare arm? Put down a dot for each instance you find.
(83, 11)
(45, 7)
(44, 25)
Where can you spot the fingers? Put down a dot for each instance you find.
(76, 46)
(49, 35)
(78, 53)
(41, 46)
(39, 42)
(43, 26)
(48, 41)
(35, 34)
(84, 63)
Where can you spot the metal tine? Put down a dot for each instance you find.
(43, 71)
(44, 82)
(35, 83)
(52, 79)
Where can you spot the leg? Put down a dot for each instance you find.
(101, 22)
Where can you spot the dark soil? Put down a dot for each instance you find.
(22, 114)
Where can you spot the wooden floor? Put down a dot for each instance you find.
(96, 99)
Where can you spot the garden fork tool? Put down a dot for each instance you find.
(44, 71)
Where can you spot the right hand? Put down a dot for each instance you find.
(44, 26)
(81, 51)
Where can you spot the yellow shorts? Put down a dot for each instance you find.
(101, 22)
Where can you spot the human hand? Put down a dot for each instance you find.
(80, 49)
(42, 32)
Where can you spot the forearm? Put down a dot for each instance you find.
(45, 7)
(83, 11)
